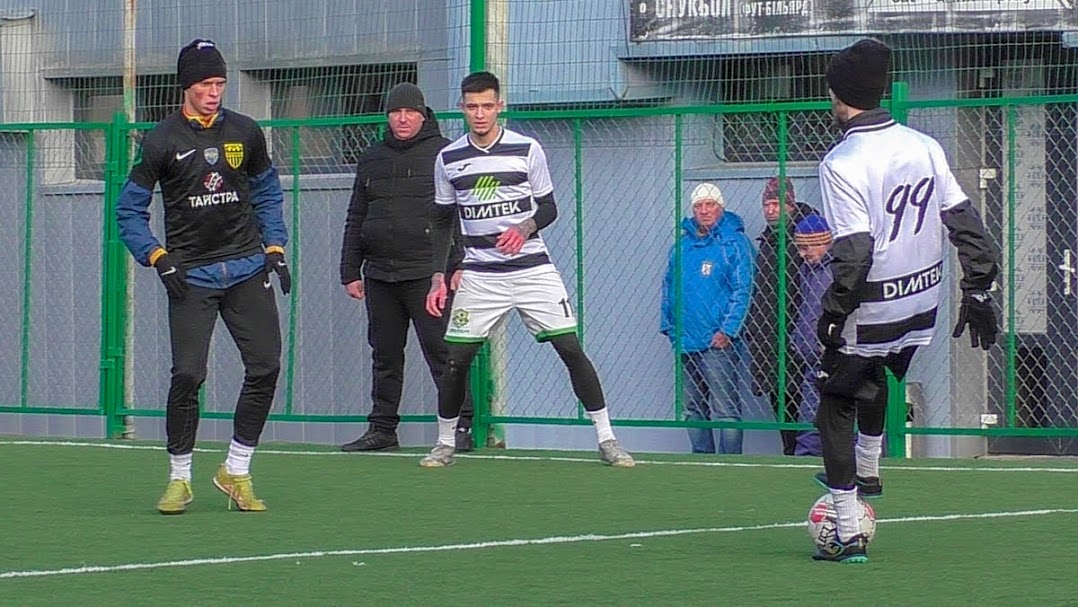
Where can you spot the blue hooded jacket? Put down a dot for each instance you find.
(717, 269)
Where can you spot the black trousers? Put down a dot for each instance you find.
(391, 306)
(857, 389)
(249, 311)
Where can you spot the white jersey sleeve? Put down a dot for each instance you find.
(845, 207)
(444, 192)
(950, 193)
(539, 172)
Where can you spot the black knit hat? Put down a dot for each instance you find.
(198, 61)
(858, 74)
(405, 95)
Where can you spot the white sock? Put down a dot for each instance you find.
(868, 455)
(447, 431)
(239, 458)
(180, 467)
(601, 419)
(846, 513)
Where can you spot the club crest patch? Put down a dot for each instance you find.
(460, 318)
(234, 154)
(213, 182)
(212, 155)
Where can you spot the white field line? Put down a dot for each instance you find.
(540, 458)
(557, 539)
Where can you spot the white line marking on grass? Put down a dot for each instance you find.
(543, 541)
(539, 458)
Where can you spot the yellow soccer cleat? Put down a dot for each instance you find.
(177, 495)
(239, 489)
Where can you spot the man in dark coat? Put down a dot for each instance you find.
(763, 320)
(386, 259)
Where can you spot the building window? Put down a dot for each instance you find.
(299, 93)
(98, 99)
(754, 137)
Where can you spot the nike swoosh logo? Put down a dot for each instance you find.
(267, 284)
(180, 156)
(169, 271)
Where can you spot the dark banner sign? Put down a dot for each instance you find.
(711, 19)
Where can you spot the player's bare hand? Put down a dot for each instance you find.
(720, 340)
(511, 241)
(437, 295)
(454, 281)
(354, 289)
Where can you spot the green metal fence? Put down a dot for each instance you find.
(621, 177)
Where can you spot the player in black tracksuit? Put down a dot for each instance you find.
(224, 234)
(386, 258)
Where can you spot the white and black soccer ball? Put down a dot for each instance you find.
(823, 523)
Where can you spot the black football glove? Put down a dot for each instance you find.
(977, 313)
(275, 263)
(173, 276)
(829, 331)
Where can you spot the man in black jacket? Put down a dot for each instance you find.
(386, 259)
(761, 328)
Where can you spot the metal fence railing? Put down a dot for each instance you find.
(85, 329)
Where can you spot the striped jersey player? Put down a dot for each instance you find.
(889, 196)
(497, 184)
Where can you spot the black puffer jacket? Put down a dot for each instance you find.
(387, 232)
(762, 321)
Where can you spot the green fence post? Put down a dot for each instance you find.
(293, 306)
(897, 409)
(679, 386)
(27, 279)
(1012, 335)
(105, 404)
(481, 375)
(781, 266)
(114, 282)
(578, 192)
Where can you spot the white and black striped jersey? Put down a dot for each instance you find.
(891, 182)
(494, 188)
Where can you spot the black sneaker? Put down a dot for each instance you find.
(852, 552)
(868, 487)
(464, 440)
(373, 440)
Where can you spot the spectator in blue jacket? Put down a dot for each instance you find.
(705, 316)
(812, 236)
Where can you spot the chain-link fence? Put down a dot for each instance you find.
(87, 328)
(52, 236)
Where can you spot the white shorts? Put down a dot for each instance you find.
(484, 298)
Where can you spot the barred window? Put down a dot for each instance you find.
(329, 91)
(97, 99)
(754, 137)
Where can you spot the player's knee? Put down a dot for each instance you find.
(569, 348)
(459, 359)
(187, 379)
(263, 366)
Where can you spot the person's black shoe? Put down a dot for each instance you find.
(868, 487)
(852, 551)
(464, 440)
(373, 440)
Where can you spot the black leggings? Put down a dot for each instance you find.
(582, 373)
(858, 389)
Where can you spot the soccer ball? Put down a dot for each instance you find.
(823, 524)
